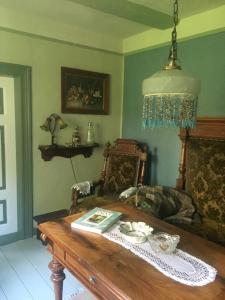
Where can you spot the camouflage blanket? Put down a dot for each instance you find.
(163, 202)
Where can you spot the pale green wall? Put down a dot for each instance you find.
(52, 180)
(203, 57)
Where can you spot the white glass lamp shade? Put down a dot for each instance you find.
(171, 81)
(170, 99)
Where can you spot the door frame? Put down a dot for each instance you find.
(24, 157)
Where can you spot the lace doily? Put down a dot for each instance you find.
(179, 265)
(83, 187)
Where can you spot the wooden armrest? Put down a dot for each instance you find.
(74, 199)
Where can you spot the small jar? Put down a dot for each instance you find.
(76, 137)
(90, 133)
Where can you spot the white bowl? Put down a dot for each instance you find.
(135, 232)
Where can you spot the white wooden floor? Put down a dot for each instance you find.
(24, 273)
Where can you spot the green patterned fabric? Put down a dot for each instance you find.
(205, 177)
(121, 174)
(205, 182)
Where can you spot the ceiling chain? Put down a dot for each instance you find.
(173, 50)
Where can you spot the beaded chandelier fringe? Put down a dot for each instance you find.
(166, 110)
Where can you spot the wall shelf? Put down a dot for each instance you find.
(49, 151)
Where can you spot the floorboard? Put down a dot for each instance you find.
(24, 268)
(2, 295)
(10, 283)
(24, 273)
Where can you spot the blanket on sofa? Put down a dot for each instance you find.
(163, 202)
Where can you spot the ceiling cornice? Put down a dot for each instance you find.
(32, 25)
(130, 11)
(205, 23)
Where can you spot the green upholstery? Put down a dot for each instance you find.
(123, 167)
(205, 177)
(121, 174)
(205, 182)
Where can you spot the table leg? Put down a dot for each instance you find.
(57, 277)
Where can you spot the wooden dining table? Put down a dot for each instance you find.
(111, 271)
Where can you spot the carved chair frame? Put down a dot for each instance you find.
(207, 129)
(126, 147)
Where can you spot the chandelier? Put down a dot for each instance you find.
(170, 95)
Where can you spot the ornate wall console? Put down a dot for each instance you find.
(49, 151)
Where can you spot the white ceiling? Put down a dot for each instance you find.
(85, 18)
(187, 8)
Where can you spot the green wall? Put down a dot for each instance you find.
(53, 180)
(203, 57)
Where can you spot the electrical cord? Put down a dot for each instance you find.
(73, 170)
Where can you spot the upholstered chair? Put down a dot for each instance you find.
(202, 176)
(124, 166)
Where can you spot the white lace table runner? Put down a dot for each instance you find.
(179, 265)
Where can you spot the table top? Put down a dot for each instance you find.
(119, 272)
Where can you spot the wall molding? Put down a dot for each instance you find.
(42, 27)
(60, 41)
(198, 25)
(1, 102)
(2, 145)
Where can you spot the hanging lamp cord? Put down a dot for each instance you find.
(173, 51)
(172, 64)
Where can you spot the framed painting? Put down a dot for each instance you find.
(84, 92)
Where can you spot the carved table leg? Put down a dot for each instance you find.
(57, 277)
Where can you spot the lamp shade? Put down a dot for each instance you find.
(171, 81)
(53, 124)
(170, 99)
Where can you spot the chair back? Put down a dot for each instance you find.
(124, 166)
(202, 171)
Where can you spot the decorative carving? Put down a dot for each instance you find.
(180, 183)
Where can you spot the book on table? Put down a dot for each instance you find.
(97, 220)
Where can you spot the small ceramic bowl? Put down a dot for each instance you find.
(163, 242)
(135, 232)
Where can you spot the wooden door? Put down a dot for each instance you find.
(8, 171)
(16, 193)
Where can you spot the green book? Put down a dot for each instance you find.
(97, 220)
